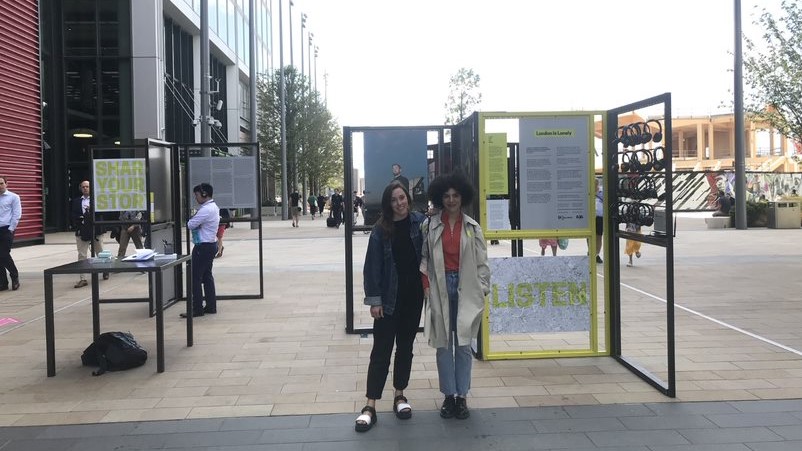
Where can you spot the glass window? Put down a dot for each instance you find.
(213, 15)
(80, 86)
(80, 28)
(222, 23)
(245, 100)
(246, 45)
(232, 27)
(110, 88)
(115, 29)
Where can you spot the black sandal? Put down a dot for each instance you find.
(367, 420)
(402, 408)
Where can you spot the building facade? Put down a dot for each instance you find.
(116, 72)
(20, 110)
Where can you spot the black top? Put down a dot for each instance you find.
(406, 262)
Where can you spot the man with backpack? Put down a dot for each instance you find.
(312, 201)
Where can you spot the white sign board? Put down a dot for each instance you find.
(554, 160)
(233, 179)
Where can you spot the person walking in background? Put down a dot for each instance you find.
(337, 207)
(358, 203)
(10, 214)
(394, 292)
(456, 278)
(295, 208)
(86, 237)
(546, 242)
(599, 220)
(130, 231)
(321, 204)
(312, 200)
(203, 227)
(221, 231)
(632, 246)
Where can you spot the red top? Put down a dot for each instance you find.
(451, 241)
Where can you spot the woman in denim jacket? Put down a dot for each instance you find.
(394, 292)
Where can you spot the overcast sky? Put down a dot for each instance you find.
(389, 62)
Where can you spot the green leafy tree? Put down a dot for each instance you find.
(463, 96)
(314, 142)
(773, 71)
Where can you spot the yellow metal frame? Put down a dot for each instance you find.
(588, 233)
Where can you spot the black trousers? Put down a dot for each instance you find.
(202, 278)
(6, 262)
(399, 328)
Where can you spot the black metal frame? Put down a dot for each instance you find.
(348, 164)
(147, 226)
(183, 152)
(666, 241)
(155, 269)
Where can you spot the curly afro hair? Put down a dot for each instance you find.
(443, 183)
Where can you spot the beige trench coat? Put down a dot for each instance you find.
(474, 282)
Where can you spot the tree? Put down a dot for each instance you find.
(773, 76)
(463, 95)
(314, 142)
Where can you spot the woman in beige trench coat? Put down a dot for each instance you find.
(456, 278)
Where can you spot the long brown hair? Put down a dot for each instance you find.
(386, 218)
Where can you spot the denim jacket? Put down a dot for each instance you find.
(380, 278)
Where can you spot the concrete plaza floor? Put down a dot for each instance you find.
(284, 363)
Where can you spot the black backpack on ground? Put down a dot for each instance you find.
(114, 351)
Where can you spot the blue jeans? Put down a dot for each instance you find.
(454, 362)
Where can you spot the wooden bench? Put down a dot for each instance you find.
(717, 222)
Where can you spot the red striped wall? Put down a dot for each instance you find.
(20, 113)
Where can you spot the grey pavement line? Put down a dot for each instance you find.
(41, 317)
(714, 320)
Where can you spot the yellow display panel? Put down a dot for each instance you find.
(544, 133)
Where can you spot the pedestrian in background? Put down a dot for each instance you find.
(131, 231)
(321, 203)
(203, 228)
(10, 214)
(632, 246)
(312, 201)
(87, 238)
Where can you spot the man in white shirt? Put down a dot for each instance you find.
(203, 227)
(10, 213)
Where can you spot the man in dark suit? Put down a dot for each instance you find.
(397, 177)
(337, 206)
(86, 237)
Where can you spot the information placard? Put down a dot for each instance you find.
(233, 179)
(497, 181)
(554, 164)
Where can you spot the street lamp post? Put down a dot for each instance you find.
(316, 49)
(309, 42)
(303, 26)
(291, 63)
(740, 152)
(205, 107)
(283, 99)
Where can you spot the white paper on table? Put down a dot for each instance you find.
(141, 255)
